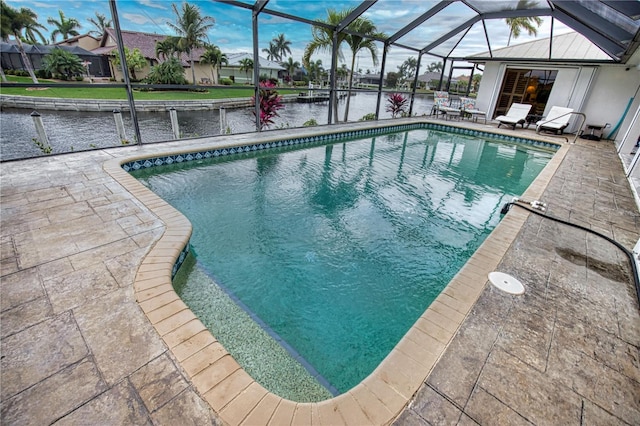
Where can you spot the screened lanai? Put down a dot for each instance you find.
(451, 30)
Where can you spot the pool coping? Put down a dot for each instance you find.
(230, 391)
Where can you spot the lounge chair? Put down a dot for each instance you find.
(556, 121)
(468, 107)
(442, 105)
(517, 114)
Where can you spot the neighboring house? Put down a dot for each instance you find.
(11, 58)
(232, 69)
(85, 41)
(577, 74)
(146, 43)
(373, 79)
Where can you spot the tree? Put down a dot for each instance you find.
(65, 27)
(168, 47)
(272, 52)
(282, 46)
(526, 23)
(358, 41)
(408, 68)
(63, 63)
(434, 67)
(291, 66)
(13, 23)
(322, 40)
(214, 57)
(135, 61)
(100, 22)
(315, 70)
(246, 64)
(192, 28)
(168, 72)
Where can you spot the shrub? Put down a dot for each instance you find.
(168, 72)
(226, 81)
(63, 63)
(396, 104)
(368, 117)
(43, 74)
(310, 123)
(79, 78)
(270, 103)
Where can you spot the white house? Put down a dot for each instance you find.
(576, 74)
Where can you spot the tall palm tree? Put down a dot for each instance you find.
(526, 23)
(246, 64)
(100, 22)
(214, 57)
(315, 70)
(282, 46)
(364, 27)
(13, 23)
(272, 52)
(65, 26)
(322, 40)
(192, 28)
(291, 66)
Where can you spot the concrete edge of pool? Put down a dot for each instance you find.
(233, 394)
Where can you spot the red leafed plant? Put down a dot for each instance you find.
(270, 103)
(396, 104)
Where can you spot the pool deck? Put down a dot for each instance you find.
(92, 333)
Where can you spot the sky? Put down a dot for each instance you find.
(232, 29)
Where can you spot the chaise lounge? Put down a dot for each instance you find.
(556, 121)
(517, 114)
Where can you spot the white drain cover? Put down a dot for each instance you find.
(506, 282)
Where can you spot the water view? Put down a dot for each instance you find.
(76, 131)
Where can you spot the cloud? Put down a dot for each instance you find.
(137, 19)
(151, 3)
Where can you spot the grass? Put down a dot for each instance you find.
(119, 93)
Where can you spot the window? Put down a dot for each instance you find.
(526, 86)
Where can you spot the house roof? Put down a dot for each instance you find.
(566, 47)
(145, 42)
(235, 58)
(72, 39)
(35, 49)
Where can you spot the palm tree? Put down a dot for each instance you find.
(100, 22)
(246, 64)
(315, 70)
(282, 46)
(291, 66)
(168, 47)
(65, 27)
(13, 23)
(192, 28)
(272, 52)
(364, 27)
(214, 56)
(322, 40)
(517, 24)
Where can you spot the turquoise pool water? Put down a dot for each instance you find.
(340, 248)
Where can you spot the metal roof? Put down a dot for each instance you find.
(439, 27)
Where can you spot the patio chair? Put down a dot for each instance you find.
(442, 105)
(556, 121)
(517, 114)
(468, 107)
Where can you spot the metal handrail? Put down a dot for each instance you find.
(584, 119)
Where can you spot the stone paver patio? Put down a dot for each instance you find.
(78, 349)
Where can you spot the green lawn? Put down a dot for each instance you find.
(118, 93)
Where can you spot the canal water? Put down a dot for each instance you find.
(70, 131)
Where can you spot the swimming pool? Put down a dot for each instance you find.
(384, 176)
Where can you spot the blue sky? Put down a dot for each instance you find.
(232, 29)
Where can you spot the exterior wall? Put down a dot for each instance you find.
(86, 42)
(600, 92)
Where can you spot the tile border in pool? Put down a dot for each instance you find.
(182, 157)
(378, 399)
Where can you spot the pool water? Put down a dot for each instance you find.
(338, 249)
